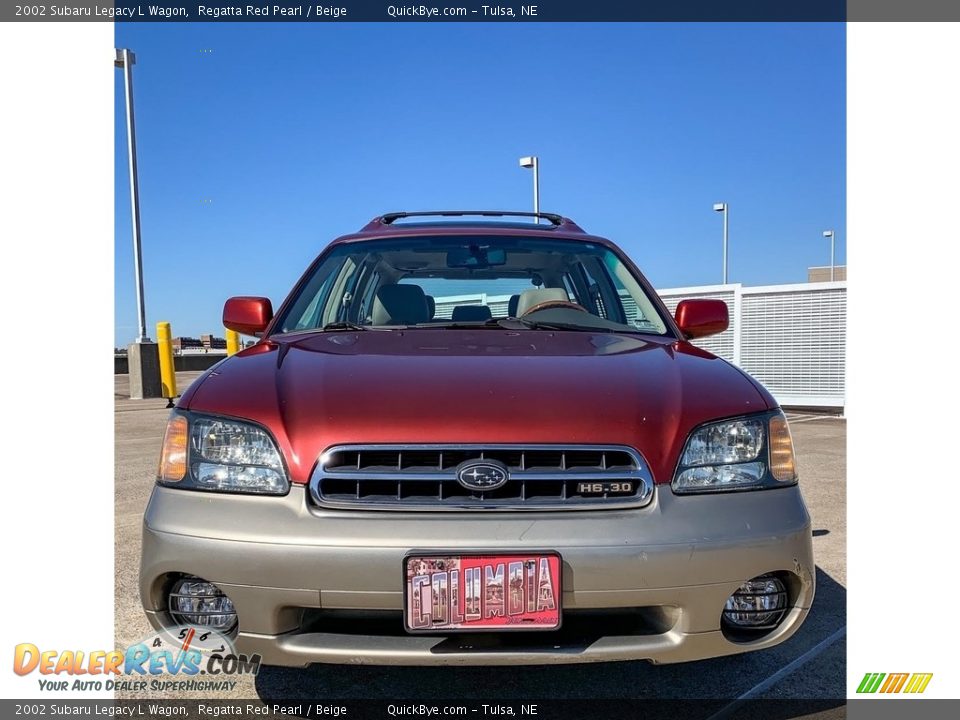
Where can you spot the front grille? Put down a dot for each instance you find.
(425, 477)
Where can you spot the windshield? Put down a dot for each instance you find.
(472, 280)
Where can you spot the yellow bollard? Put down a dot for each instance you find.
(233, 342)
(168, 377)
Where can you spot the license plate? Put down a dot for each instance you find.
(481, 592)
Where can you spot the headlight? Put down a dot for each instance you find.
(740, 454)
(205, 453)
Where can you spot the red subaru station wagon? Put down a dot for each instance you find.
(477, 438)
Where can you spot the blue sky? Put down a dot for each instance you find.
(256, 153)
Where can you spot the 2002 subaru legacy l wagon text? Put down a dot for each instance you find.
(468, 439)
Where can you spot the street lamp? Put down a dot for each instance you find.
(533, 162)
(830, 234)
(725, 209)
(125, 60)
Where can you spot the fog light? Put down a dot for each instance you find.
(757, 604)
(197, 602)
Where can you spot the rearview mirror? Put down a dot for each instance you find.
(699, 318)
(475, 256)
(247, 315)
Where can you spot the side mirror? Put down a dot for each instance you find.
(247, 315)
(699, 318)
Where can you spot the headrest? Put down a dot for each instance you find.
(512, 305)
(532, 298)
(431, 306)
(470, 313)
(400, 305)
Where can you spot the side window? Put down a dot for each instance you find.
(366, 302)
(306, 314)
(633, 314)
(604, 299)
(595, 300)
(584, 291)
(637, 308)
(339, 294)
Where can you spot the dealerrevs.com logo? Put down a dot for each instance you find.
(186, 652)
(887, 683)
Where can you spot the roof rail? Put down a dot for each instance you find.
(390, 218)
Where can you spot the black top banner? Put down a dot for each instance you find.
(483, 11)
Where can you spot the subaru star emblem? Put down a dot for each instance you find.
(482, 474)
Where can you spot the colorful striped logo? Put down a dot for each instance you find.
(894, 682)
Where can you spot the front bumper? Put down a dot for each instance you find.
(287, 564)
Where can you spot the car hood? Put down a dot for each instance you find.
(476, 386)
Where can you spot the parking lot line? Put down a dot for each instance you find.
(791, 667)
(794, 418)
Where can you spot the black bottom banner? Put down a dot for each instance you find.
(416, 710)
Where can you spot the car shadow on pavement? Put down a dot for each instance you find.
(822, 677)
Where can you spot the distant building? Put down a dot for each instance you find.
(822, 274)
(213, 343)
(193, 346)
(185, 343)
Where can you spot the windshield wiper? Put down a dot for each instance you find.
(523, 324)
(541, 325)
(491, 324)
(517, 324)
(343, 325)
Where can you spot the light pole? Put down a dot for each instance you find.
(830, 234)
(532, 161)
(125, 59)
(725, 209)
